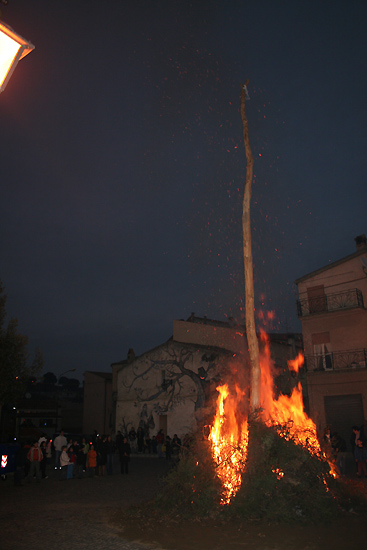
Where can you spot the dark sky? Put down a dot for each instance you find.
(122, 164)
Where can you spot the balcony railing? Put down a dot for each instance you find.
(346, 299)
(337, 360)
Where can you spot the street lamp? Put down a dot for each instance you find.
(12, 49)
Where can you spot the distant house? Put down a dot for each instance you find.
(97, 404)
(332, 309)
(172, 387)
(45, 408)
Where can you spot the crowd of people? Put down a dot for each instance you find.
(78, 458)
(159, 444)
(75, 458)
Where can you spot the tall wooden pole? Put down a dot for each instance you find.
(252, 341)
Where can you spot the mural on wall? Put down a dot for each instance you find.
(146, 420)
(169, 379)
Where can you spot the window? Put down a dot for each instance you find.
(323, 356)
(316, 299)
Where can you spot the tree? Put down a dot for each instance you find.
(253, 343)
(15, 369)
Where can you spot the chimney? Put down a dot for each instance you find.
(361, 242)
(130, 355)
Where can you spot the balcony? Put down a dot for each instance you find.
(337, 301)
(337, 360)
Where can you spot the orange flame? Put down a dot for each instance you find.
(286, 410)
(297, 363)
(229, 440)
(229, 437)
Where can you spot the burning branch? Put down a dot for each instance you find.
(248, 265)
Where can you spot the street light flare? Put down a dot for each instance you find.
(12, 49)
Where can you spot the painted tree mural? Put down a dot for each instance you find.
(175, 375)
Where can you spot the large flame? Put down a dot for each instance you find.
(229, 439)
(229, 436)
(286, 411)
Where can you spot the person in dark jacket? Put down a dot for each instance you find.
(80, 462)
(360, 455)
(124, 452)
(43, 463)
(110, 451)
(102, 455)
(168, 448)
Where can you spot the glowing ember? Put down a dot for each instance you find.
(229, 442)
(278, 472)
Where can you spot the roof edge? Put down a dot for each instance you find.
(330, 266)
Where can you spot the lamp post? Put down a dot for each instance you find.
(58, 396)
(12, 49)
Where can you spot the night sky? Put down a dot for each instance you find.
(123, 164)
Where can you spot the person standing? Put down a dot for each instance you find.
(360, 455)
(48, 451)
(101, 456)
(110, 450)
(80, 462)
(91, 461)
(168, 448)
(59, 443)
(71, 465)
(160, 441)
(124, 452)
(43, 462)
(64, 462)
(176, 447)
(35, 456)
(85, 446)
(119, 439)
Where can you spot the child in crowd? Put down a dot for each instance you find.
(91, 461)
(72, 457)
(34, 457)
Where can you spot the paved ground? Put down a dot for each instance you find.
(74, 513)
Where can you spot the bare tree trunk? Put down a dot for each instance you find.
(248, 265)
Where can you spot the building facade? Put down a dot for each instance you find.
(173, 386)
(332, 310)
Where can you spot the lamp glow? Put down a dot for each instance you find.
(12, 49)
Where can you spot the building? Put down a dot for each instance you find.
(332, 310)
(44, 408)
(97, 403)
(173, 386)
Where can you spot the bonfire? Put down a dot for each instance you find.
(263, 459)
(229, 434)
